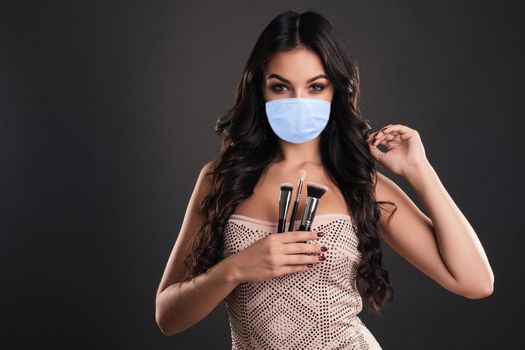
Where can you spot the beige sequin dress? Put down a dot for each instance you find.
(313, 309)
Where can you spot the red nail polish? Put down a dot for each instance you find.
(320, 234)
(322, 257)
(324, 249)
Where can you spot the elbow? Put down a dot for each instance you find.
(164, 332)
(160, 319)
(162, 326)
(480, 292)
(479, 289)
(166, 319)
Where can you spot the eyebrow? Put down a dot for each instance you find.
(274, 75)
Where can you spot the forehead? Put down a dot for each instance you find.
(298, 65)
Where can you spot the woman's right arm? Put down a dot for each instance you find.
(179, 306)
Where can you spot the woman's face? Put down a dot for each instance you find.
(296, 73)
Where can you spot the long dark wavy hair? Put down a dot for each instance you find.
(248, 145)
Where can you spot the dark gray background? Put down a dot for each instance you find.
(107, 113)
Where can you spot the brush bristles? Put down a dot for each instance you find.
(315, 190)
(302, 175)
(286, 186)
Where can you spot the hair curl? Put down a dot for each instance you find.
(248, 145)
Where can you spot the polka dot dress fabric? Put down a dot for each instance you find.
(313, 309)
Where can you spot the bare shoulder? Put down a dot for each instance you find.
(193, 220)
(203, 185)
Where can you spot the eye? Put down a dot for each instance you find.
(276, 87)
(317, 87)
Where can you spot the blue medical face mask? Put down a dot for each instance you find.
(298, 119)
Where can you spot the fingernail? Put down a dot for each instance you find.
(320, 234)
(324, 249)
(322, 257)
(310, 265)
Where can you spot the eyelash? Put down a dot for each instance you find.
(280, 91)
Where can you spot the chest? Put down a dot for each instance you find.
(340, 237)
(264, 202)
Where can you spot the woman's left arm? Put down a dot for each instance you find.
(444, 246)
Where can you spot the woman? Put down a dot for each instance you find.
(296, 108)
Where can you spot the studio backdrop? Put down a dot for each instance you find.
(108, 113)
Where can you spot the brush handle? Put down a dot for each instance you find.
(294, 213)
(305, 227)
(281, 225)
(309, 211)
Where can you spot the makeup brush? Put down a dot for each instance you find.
(284, 203)
(315, 192)
(302, 176)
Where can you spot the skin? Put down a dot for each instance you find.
(443, 245)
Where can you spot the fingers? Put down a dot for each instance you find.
(399, 131)
(301, 259)
(293, 253)
(299, 253)
(398, 128)
(389, 133)
(371, 136)
(383, 138)
(303, 248)
(375, 138)
(376, 153)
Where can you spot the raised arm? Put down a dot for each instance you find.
(444, 246)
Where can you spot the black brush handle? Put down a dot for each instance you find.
(281, 226)
(294, 213)
(304, 227)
